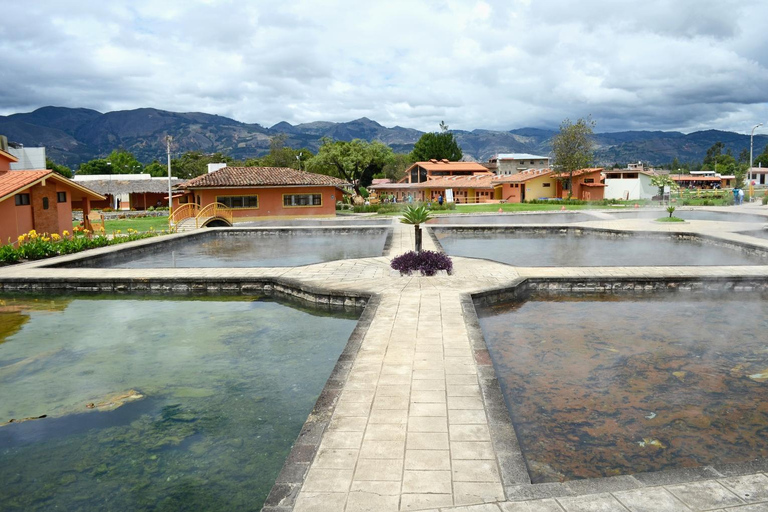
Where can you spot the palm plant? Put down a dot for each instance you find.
(670, 210)
(416, 215)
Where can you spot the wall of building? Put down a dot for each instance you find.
(630, 189)
(514, 166)
(46, 219)
(14, 220)
(271, 201)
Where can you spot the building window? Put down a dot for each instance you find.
(589, 180)
(290, 200)
(546, 185)
(22, 199)
(61, 197)
(45, 203)
(239, 201)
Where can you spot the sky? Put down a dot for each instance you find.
(682, 65)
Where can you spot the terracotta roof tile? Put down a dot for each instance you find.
(12, 181)
(523, 176)
(260, 176)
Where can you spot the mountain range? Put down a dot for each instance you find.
(72, 136)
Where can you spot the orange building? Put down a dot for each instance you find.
(486, 187)
(257, 192)
(39, 200)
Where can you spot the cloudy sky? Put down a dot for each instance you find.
(652, 64)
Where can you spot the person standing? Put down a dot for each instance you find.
(440, 199)
(741, 196)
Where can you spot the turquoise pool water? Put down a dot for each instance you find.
(213, 394)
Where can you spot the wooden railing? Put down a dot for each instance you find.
(214, 210)
(184, 211)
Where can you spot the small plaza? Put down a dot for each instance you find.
(414, 420)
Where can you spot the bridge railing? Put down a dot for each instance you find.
(184, 211)
(214, 210)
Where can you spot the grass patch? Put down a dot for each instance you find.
(141, 224)
(670, 219)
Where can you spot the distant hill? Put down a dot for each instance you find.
(76, 135)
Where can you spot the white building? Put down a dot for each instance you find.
(30, 159)
(629, 184)
(513, 163)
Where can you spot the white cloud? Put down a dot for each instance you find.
(689, 64)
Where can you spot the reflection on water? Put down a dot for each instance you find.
(285, 249)
(217, 393)
(532, 250)
(603, 386)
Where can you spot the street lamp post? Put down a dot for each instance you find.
(168, 150)
(751, 138)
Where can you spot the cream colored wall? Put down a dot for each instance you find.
(534, 188)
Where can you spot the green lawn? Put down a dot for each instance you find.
(139, 224)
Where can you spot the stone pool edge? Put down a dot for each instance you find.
(491, 391)
(282, 496)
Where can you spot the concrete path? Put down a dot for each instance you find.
(412, 427)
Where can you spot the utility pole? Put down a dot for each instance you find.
(168, 140)
(751, 139)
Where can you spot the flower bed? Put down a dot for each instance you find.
(426, 262)
(34, 246)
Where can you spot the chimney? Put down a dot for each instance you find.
(4, 143)
(432, 160)
(215, 167)
(445, 160)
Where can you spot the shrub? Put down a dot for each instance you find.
(151, 209)
(765, 197)
(426, 262)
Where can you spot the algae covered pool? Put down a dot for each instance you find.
(610, 385)
(156, 404)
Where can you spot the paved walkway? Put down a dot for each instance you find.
(411, 428)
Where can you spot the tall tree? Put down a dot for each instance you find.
(573, 149)
(354, 161)
(395, 169)
(710, 160)
(195, 163)
(437, 145)
(761, 160)
(282, 155)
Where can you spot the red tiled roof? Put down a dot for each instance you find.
(13, 182)
(695, 178)
(440, 165)
(260, 176)
(523, 176)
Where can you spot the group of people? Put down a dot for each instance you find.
(738, 196)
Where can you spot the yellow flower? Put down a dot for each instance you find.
(118, 232)
(22, 238)
(55, 237)
(33, 232)
(65, 233)
(86, 231)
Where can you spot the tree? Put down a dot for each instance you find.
(195, 163)
(395, 169)
(661, 181)
(415, 215)
(95, 166)
(710, 160)
(123, 162)
(437, 145)
(354, 161)
(761, 160)
(156, 169)
(572, 148)
(60, 169)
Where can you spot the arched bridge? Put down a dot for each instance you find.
(190, 216)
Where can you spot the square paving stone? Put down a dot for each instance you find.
(427, 441)
(384, 470)
(428, 460)
(591, 503)
(750, 488)
(705, 495)
(427, 482)
(468, 493)
(652, 499)
(320, 502)
(547, 505)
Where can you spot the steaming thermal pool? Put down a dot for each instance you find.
(271, 248)
(215, 393)
(606, 385)
(526, 248)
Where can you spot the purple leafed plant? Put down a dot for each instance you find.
(427, 262)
